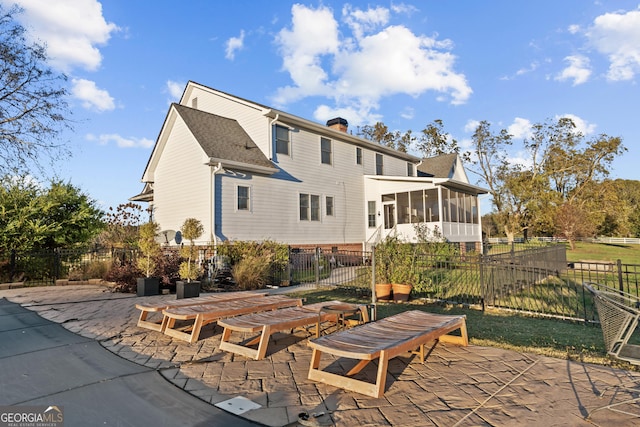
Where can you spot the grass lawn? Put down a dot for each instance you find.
(604, 252)
(547, 337)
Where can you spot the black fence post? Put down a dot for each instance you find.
(12, 270)
(482, 284)
(317, 266)
(620, 279)
(56, 264)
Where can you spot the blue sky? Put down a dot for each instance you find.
(512, 63)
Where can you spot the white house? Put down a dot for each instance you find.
(251, 172)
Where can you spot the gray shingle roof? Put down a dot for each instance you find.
(222, 138)
(439, 166)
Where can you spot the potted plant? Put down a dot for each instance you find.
(189, 287)
(395, 269)
(150, 250)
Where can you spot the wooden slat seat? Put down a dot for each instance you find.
(206, 313)
(383, 340)
(268, 323)
(147, 308)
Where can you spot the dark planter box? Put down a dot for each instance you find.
(187, 289)
(148, 286)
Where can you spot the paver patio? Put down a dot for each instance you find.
(457, 386)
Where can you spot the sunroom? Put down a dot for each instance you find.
(449, 208)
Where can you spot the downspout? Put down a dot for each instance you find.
(275, 119)
(212, 194)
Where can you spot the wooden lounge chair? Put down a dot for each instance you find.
(147, 308)
(206, 313)
(383, 340)
(268, 323)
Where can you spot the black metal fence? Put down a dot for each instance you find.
(44, 268)
(535, 279)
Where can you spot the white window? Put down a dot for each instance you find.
(328, 200)
(325, 151)
(282, 140)
(243, 198)
(309, 207)
(410, 169)
(371, 213)
(358, 156)
(379, 164)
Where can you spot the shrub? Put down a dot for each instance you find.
(125, 275)
(276, 253)
(167, 267)
(252, 271)
(91, 270)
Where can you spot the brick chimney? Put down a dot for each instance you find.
(338, 124)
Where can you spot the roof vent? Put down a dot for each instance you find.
(338, 124)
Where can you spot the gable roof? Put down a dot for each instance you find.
(224, 140)
(442, 166)
(288, 119)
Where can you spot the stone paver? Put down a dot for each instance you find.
(472, 386)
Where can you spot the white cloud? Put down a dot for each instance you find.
(532, 67)
(91, 96)
(574, 29)
(361, 21)
(234, 44)
(582, 126)
(579, 70)
(314, 33)
(376, 62)
(70, 29)
(520, 128)
(408, 113)
(131, 142)
(617, 35)
(471, 126)
(175, 89)
(402, 8)
(357, 116)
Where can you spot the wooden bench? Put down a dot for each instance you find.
(206, 313)
(383, 340)
(147, 308)
(268, 323)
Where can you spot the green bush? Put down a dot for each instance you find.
(256, 252)
(252, 271)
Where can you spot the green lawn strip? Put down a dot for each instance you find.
(511, 331)
(604, 252)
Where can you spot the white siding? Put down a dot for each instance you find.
(275, 213)
(181, 182)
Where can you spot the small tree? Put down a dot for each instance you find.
(191, 229)
(149, 247)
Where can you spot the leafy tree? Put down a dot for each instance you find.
(561, 168)
(149, 248)
(191, 229)
(572, 223)
(74, 216)
(22, 227)
(33, 109)
(122, 225)
(434, 141)
(33, 218)
(379, 133)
